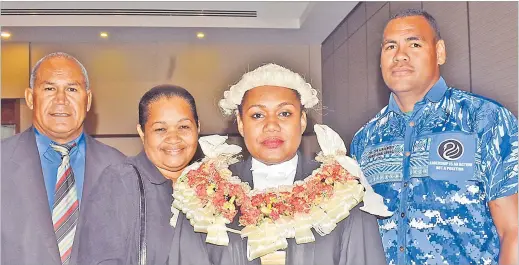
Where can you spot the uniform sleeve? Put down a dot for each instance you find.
(361, 242)
(108, 220)
(354, 147)
(499, 155)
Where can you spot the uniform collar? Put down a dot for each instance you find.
(149, 169)
(435, 94)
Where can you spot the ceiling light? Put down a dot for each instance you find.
(200, 35)
(103, 34)
(5, 34)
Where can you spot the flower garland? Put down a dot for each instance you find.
(270, 206)
(210, 197)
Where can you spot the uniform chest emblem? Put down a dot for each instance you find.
(450, 149)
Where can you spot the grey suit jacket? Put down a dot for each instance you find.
(355, 240)
(28, 236)
(111, 229)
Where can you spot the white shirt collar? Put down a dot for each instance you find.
(272, 176)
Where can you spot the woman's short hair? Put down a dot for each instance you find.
(164, 91)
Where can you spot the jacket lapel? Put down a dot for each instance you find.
(29, 178)
(92, 165)
(300, 172)
(246, 173)
(305, 167)
(92, 174)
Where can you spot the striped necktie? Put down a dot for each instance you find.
(65, 210)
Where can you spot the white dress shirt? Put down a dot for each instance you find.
(273, 176)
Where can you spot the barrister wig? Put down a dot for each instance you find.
(268, 75)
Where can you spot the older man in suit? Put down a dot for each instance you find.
(47, 169)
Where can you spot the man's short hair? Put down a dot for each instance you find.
(58, 55)
(418, 12)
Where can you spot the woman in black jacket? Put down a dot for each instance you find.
(137, 194)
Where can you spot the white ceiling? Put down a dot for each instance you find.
(300, 22)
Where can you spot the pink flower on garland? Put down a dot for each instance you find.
(228, 197)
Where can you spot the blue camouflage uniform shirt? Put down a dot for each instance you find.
(437, 168)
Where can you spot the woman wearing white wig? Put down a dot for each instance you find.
(269, 104)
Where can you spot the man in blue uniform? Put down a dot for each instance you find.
(444, 160)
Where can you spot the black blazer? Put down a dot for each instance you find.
(28, 236)
(111, 216)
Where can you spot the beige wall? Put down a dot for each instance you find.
(129, 146)
(481, 42)
(120, 73)
(15, 69)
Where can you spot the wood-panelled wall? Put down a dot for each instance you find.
(481, 41)
(11, 112)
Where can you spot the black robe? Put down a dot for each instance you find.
(355, 240)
